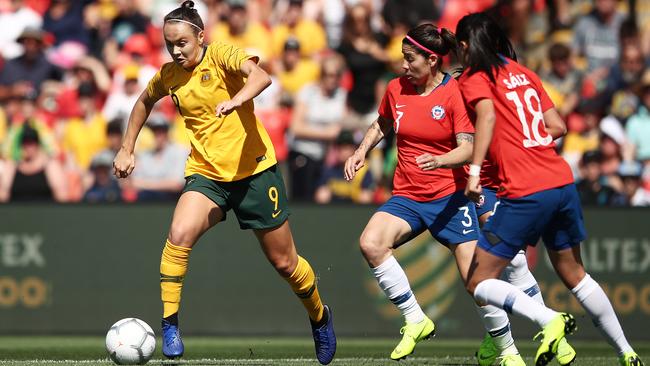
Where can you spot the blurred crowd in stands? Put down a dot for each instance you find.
(71, 70)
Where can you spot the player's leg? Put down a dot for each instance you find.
(194, 214)
(562, 239)
(498, 341)
(278, 246)
(387, 227)
(569, 267)
(261, 204)
(454, 222)
(518, 274)
(515, 223)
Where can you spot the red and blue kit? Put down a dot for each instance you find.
(537, 197)
(425, 124)
(521, 148)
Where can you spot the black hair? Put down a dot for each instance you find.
(29, 134)
(559, 52)
(114, 126)
(487, 44)
(186, 13)
(438, 40)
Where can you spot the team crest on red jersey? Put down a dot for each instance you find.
(438, 112)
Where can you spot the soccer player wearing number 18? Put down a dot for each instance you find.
(516, 120)
(231, 166)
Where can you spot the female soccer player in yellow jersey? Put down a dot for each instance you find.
(231, 165)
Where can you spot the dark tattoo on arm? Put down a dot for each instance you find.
(460, 137)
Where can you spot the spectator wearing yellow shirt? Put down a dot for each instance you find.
(583, 138)
(238, 31)
(85, 136)
(296, 72)
(309, 33)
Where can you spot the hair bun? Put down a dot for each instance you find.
(188, 4)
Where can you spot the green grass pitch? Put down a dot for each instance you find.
(64, 350)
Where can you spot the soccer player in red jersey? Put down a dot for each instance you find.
(434, 142)
(516, 119)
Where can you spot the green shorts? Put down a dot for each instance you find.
(259, 201)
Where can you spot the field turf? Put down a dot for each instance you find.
(51, 350)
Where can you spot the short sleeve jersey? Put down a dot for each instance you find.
(522, 150)
(425, 124)
(226, 148)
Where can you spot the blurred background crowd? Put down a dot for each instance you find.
(71, 70)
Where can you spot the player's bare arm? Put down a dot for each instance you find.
(485, 120)
(124, 161)
(554, 124)
(257, 80)
(375, 133)
(456, 158)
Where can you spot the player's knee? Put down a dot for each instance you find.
(284, 265)
(480, 288)
(372, 247)
(182, 233)
(516, 269)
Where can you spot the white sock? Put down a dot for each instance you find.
(393, 281)
(518, 274)
(511, 299)
(497, 325)
(593, 299)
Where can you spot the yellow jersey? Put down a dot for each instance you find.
(226, 148)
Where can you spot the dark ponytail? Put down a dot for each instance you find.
(487, 44)
(437, 40)
(186, 14)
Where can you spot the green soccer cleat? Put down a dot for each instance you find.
(487, 353)
(630, 359)
(565, 353)
(551, 336)
(413, 333)
(512, 360)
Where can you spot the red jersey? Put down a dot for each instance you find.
(521, 148)
(425, 124)
(489, 171)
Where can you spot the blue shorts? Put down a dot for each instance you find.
(488, 202)
(554, 215)
(450, 220)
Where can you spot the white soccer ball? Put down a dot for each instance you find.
(130, 341)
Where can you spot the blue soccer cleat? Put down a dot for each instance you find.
(324, 338)
(172, 345)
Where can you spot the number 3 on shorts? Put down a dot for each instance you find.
(275, 198)
(465, 210)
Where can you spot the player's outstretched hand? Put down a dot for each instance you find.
(353, 164)
(473, 190)
(428, 162)
(225, 108)
(124, 163)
